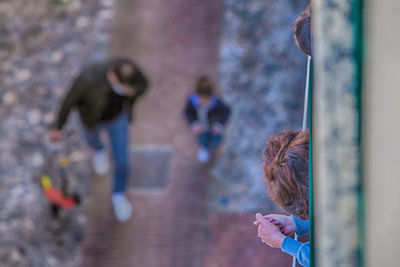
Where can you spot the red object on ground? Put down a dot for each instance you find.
(55, 196)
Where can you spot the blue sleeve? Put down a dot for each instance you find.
(302, 227)
(190, 111)
(301, 251)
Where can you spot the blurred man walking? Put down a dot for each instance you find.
(104, 95)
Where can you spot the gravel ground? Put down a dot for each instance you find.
(262, 76)
(43, 45)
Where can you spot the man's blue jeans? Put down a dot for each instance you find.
(209, 140)
(118, 133)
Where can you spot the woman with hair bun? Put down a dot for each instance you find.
(286, 173)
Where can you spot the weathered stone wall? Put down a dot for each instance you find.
(262, 76)
(336, 134)
(43, 45)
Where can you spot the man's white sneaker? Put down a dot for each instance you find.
(122, 207)
(100, 162)
(203, 155)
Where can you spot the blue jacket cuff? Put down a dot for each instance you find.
(302, 227)
(291, 246)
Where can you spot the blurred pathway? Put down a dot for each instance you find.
(174, 42)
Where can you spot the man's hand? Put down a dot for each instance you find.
(55, 135)
(197, 128)
(269, 232)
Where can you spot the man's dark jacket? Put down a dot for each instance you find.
(218, 112)
(90, 92)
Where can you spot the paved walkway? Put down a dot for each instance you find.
(174, 42)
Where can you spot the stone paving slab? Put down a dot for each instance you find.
(151, 167)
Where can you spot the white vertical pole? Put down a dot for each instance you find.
(305, 110)
(294, 258)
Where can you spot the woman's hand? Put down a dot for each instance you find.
(285, 223)
(269, 232)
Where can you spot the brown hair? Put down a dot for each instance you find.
(204, 86)
(302, 31)
(286, 171)
(125, 70)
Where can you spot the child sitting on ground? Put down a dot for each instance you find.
(207, 115)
